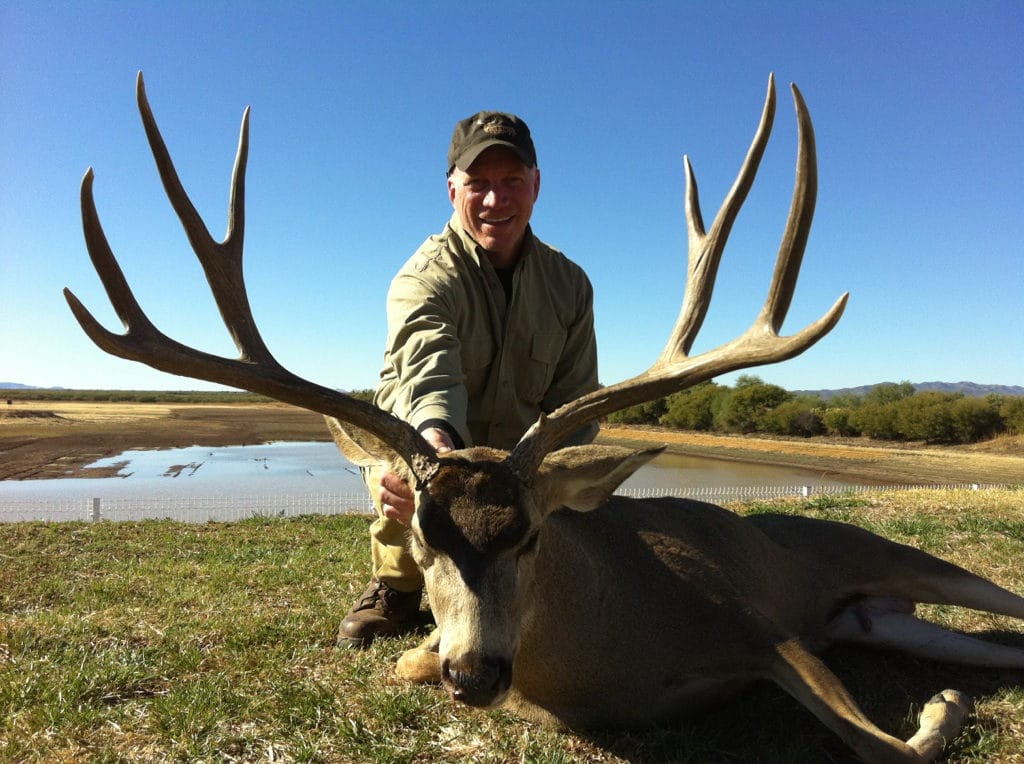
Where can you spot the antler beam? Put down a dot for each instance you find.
(760, 344)
(255, 369)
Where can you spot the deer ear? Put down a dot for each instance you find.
(359, 446)
(584, 477)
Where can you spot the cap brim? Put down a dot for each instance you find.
(469, 156)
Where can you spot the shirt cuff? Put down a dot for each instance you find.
(442, 425)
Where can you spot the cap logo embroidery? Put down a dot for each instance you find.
(496, 128)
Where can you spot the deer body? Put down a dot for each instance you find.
(583, 609)
(640, 574)
(623, 612)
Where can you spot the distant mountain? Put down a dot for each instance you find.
(969, 389)
(19, 386)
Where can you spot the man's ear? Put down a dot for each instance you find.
(360, 447)
(584, 477)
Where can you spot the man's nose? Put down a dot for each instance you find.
(495, 197)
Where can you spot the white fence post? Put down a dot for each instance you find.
(96, 510)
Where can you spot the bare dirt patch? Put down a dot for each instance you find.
(79, 433)
(869, 461)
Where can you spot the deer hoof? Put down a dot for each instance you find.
(420, 666)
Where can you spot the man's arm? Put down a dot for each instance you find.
(576, 370)
(424, 381)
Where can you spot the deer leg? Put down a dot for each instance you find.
(890, 624)
(941, 719)
(422, 664)
(808, 680)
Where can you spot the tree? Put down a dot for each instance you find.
(649, 412)
(695, 409)
(746, 407)
(975, 419)
(889, 392)
(876, 420)
(1011, 410)
(839, 421)
(927, 416)
(793, 417)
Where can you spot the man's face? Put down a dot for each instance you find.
(494, 200)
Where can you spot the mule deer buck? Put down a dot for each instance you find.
(584, 609)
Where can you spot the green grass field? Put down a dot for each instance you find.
(162, 641)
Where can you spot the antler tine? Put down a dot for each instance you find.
(706, 249)
(222, 262)
(255, 369)
(760, 344)
(798, 224)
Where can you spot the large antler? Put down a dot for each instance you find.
(760, 344)
(255, 369)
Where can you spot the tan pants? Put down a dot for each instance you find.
(392, 562)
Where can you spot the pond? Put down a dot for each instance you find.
(288, 468)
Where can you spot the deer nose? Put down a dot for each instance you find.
(479, 682)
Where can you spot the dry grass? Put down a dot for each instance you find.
(859, 459)
(160, 641)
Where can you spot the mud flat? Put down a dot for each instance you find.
(54, 439)
(47, 439)
(1000, 461)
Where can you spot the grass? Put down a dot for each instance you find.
(162, 641)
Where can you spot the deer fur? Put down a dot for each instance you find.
(577, 608)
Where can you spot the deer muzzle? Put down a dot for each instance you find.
(481, 682)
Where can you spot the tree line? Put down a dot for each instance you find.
(145, 396)
(891, 411)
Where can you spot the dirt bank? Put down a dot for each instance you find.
(56, 439)
(53, 440)
(853, 459)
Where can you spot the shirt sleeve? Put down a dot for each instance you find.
(576, 371)
(424, 353)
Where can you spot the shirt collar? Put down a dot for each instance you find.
(478, 253)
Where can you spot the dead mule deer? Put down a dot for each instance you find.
(586, 609)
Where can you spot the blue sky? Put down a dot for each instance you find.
(918, 111)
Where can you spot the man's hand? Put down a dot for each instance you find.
(395, 495)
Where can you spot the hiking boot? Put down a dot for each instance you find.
(380, 612)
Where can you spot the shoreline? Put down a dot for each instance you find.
(51, 439)
(852, 459)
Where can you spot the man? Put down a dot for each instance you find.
(488, 327)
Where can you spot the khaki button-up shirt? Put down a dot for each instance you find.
(459, 351)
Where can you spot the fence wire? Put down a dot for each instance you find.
(192, 509)
(229, 508)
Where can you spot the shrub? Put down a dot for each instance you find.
(694, 409)
(795, 417)
(839, 422)
(751, 400)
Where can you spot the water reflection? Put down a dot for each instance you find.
(284, 469)
(679, 471)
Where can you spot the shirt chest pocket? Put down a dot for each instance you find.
(538, 369)
(477, 357)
